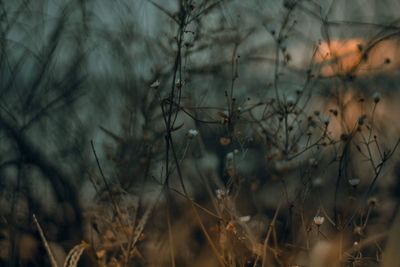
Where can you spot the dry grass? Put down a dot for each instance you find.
(227, 133)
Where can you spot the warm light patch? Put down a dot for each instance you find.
(339, 56)
(357, 57)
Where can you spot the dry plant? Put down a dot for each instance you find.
(239, 139)
(73, 255)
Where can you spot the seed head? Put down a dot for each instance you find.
(376, 97)
(354, 182)
(230, 156)
(192, 133)
(372, 201)
(221, 193)
(245, 218)
(361, 120)
(155, 84)
(290, 101)
(319, 220)
(326, 120)
(358, 230)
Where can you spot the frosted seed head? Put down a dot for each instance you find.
(376, 97)
(354, 181)
(192, 133)
(319, 220)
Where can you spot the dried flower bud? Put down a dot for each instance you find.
(224, 141)
(358, 230)
(354, 182)
(179, 83)
(230, 227)
(319, 220)
(372, 201)
(361, 120)
(221, 193)
(245, 218)
(376, 97)
(326, 120)
(290, 100)
(230, 156)
(192, 133)
(155, 84)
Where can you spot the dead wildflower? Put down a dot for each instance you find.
(192, 133)
(221, 193)
(245, 218)
(334, 112)
(326, 120)
(372, 201)
(230, 227)
(179, 84)
(319, 220)
(101, 253)
(224, 117)
(376, 97)
(230, 156)
(290, 100)
(294, 138)
(155, 84)
(358, 230)
(354, 182)
(224, 141)
(361, 120)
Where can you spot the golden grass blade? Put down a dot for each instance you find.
(45, 243)
(74, 255)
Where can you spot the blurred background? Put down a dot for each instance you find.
(150, 128)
